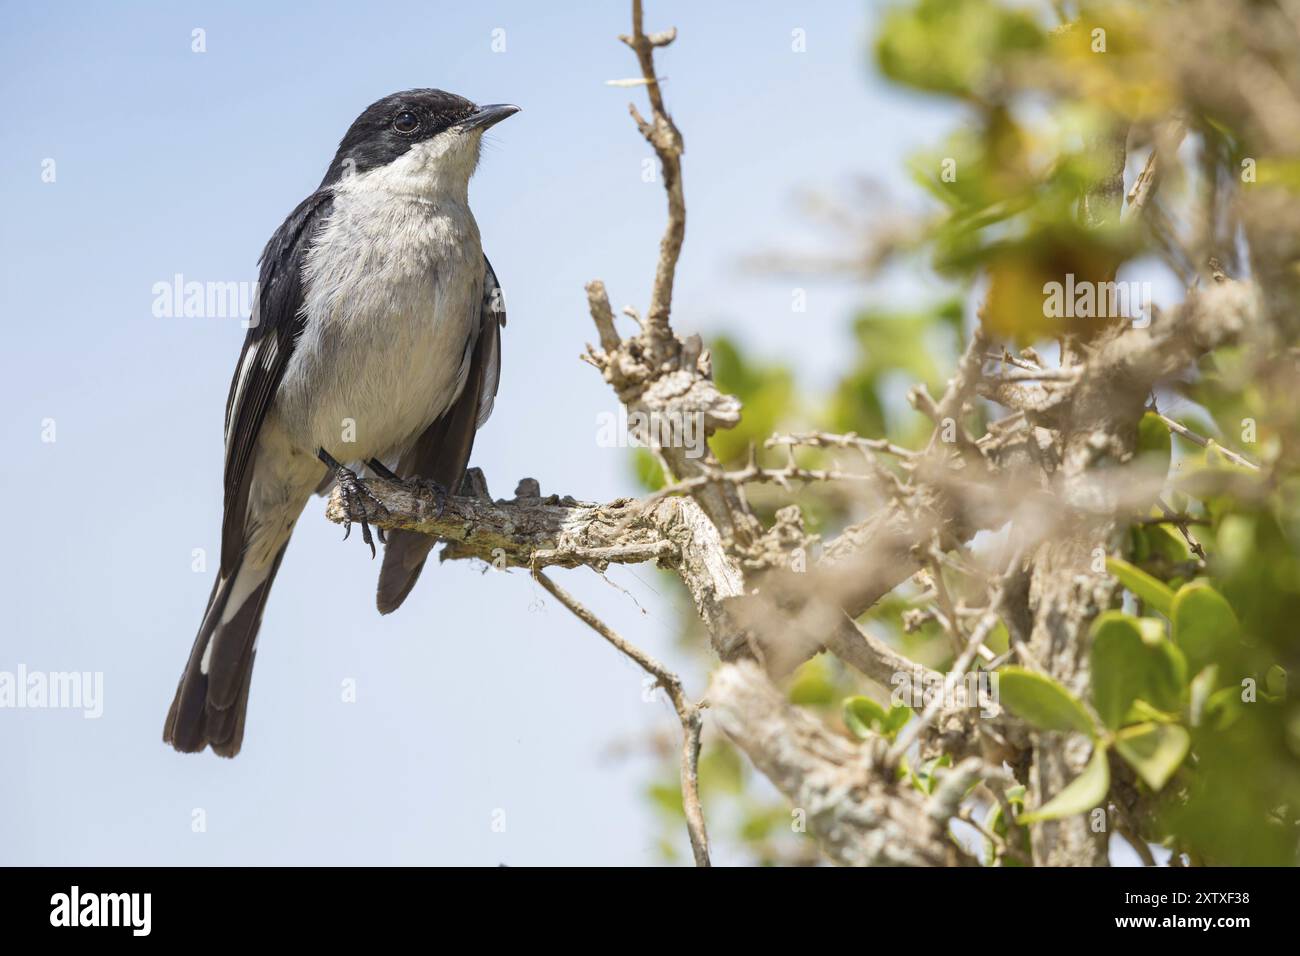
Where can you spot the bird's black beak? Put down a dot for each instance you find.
(489, 116)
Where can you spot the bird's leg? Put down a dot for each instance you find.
(382, 470)
(354, 495)
(417, 482)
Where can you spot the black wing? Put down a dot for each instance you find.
(267, 347)
(442, 452)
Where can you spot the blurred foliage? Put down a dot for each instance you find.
(1190, 701)
(890, 350)
(901, 347)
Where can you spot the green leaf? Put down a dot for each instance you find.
(1275, 680)
(1154, 438)
(995, 822)
(1132, 660)
(862, 715)
(1141, 712)
(1223, 708)
(999, 639)
(1158, 542)
(924, 779)
(1151, 463)
(1155, 751)
(1085, 792)
(896, 719)
(1156, 593)
(1041, 701)
(1204, 624)
(865, 717)
(1202, 687)
(953, 48)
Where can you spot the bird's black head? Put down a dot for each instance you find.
(390, 128)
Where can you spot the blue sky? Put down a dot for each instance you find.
(479, 696)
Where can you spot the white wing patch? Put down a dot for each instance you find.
(264, 351)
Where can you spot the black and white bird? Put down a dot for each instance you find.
(375, 344)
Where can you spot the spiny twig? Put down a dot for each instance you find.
(688, 713)
(997, 595)
(831, 440)
(662, 134)
(1180, 429)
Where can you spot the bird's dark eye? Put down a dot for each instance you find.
(406, 122)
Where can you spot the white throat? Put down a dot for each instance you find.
(436, 169)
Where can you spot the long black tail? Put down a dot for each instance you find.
(441, 453)
(212, 696)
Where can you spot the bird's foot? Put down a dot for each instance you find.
(431, 487)
(356, 500)
(414, 483)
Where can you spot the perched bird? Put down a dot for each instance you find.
(375, 344)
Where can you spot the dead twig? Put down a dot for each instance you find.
(689, 714)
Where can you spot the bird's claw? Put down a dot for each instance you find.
(416, 483)
(432, 487)
(355, 495)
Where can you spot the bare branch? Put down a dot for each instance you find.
(687, 712)
(535, 532)
(851, 440)
(1178, 428)
(983, 628)
(662, 133)
(602, 314)
(523, 532)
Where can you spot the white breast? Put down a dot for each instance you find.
(392, 291)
